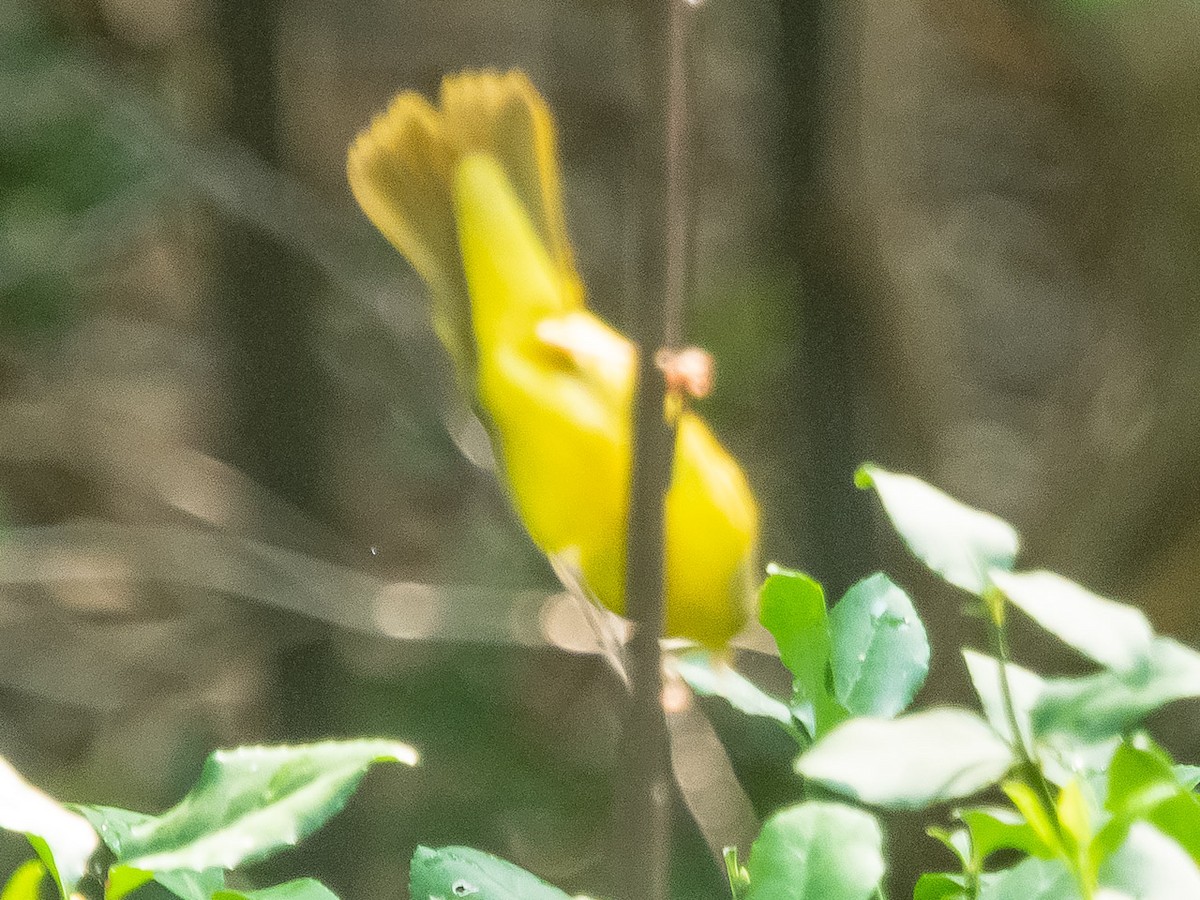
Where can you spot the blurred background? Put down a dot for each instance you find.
(241, 503)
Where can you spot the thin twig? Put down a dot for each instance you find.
(643, 826)
(678, 188)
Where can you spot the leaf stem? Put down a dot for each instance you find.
(1031, 772)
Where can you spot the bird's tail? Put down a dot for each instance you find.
(402, 171)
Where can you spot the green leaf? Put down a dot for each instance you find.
(1139, 778)
(299, 889)
(957, 542)
(1024, 687)
(880, 652)
(735, 874)
(1033, 879)
(464, 872)
(940, 886)
(247, 804)
(792, 608)
(957, 842)
(1061, 758)
(994, 828)
(1142, 784)
(708, 680)
(1096, 707)
(816, 851)
(1151, 866)
(1038, 817)
(910, 762)
(182, 883)
(123, 881)
(62, 840)
(1188, 776)
(25, 882)
(1111, 633)
(114, 826)
(1074, 810)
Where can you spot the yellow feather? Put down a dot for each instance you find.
(470, 194)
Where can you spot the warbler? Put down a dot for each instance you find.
(470, 193)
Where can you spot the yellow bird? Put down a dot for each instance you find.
(470, 193)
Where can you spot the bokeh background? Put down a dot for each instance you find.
(241, 502)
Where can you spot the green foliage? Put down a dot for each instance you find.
(1096, 809)
(25, 882)
(911, 762)
(792, 608)
(959, 543)
(247, 804)
(1110, 633)
(463, 872)
(855, 670)
(869, 655)
(62, 840)
(1111, 702)
(299, 889)
(880, 650)
(709, 679)
(816, 851)
(1034, 732)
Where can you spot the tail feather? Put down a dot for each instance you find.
(402, 171)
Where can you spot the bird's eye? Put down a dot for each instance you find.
(463, 888)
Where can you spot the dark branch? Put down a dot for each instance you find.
(644, 824)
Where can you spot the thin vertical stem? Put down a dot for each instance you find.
(678, 186)
(1031, 770)
(643, 832)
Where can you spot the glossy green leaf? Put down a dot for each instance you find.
(1188, 776)
(910, 762)
(957, 542)
(1151, 866)
(1033, 879)
(1142, 784)
(735, 874)
(299, 889)
(1061, 759)
(185, 884)
(123, 881)
(1096, 707)
(880, 652)
(1073, 807)
(816, 851)
(25, 882)
(247, 804)
(1024, 687)
(792, 608)
(957, 842)
(707, 679)
(1041, 820)
(114, 826)
(940, 886)
(464, 872)
(62, 840)
(1139, 778)
(1111, 633)
(994, 828)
